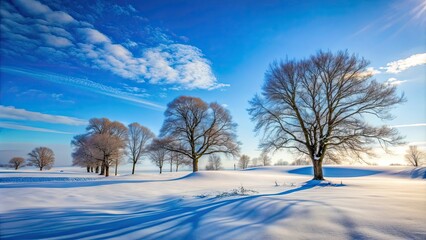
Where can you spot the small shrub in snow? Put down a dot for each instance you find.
(240, 191)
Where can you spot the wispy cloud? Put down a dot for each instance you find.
(10, 112)
(35, 93)
(403, 64)
(85, 84)
(370, 71)
(29, 128)
(31, 26)
(409, 125)
(394, 81)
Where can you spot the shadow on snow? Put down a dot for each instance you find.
(172, 218)
(336, 172)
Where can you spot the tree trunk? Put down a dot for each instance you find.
(116, 167)
(195, 165)
(102, 168)
(161, 170)
(133, 168)
(88, 169)
(91, 169)
(171, 165)
(41, 168)
(16, 167)
(317, 165)
(106, 171)
(177, 167)
(97, 169)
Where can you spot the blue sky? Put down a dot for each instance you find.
(64, 62)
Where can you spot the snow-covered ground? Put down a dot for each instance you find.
(258, 203)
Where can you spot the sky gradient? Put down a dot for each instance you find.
(64, 62)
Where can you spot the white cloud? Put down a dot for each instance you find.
(10, 112)
(29, 128)
(394, 81)
(32, 7)
(403, 64)
(39, 29)
(93, 35)
(55, 41)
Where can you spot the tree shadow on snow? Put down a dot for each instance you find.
(336, 171)
(171, 218)
(71, 182)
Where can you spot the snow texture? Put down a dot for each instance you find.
(258, 203)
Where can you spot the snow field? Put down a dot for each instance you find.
(373, 203)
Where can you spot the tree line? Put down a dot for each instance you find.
(192, 129)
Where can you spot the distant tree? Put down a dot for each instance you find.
(281, 162)
(139, 139)
(195, 128)
(214, 163)
(157, 153)
(265, 159)
(300, 161)
(318, 107)
(41, 157)
(17, 162)
(179, 160)
(414, 156)
(255, 161)
(243, 161)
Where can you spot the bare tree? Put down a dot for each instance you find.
(83, 155)
(214, 163)
(265, 159)
(243, 161)
(179, 159)
(318, 106)
(414, 156)
(41, 157)
(104, 143)
(157, 153)
(139, 140)
(17, 162)
(195, 128)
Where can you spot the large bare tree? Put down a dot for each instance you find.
(139, 140)
(41, 157)
(318, 106)
(17, 162)
(195, 128)
(414, 156)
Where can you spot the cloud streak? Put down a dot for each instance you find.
(84, 84)
(29, 128)
(10, 112)
(409, 125)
